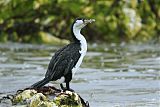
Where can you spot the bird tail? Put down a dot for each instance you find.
(40, 83)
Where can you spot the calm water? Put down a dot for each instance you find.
(124, 75)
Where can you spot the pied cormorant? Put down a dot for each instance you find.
(67, 60)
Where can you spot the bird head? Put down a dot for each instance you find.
(79, 23)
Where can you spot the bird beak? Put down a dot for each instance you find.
(86, 21)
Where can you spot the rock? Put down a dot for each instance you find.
(23, 96)
(68, 98)
(50, 39)
(44, 97)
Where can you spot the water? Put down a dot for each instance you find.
(125, 75)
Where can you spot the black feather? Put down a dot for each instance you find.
(61, 64)
(40, 83)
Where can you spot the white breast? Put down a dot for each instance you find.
(77, 65)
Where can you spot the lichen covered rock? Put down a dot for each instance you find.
(46, 97)
(22, 97)
(68, 98)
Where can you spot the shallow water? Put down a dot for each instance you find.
(125, 75)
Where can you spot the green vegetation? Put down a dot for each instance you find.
(116, 20)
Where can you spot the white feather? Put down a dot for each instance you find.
(80, 37)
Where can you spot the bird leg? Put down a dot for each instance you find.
(61, 85)
(67, 88)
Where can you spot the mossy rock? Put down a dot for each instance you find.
(45, 97)
(50, 39)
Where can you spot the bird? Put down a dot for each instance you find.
(66, 61)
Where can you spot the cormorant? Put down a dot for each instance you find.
(67, 60)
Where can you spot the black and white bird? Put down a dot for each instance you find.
(67, 60)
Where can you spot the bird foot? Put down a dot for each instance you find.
(66, 89)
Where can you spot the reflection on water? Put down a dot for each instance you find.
(124, 75)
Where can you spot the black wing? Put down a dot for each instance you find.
(63, 61)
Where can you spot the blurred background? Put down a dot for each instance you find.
(122, 64)
(35, 21)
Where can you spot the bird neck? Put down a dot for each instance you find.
(78, 37)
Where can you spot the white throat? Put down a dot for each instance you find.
(80, 37)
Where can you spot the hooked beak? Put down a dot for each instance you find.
(86, 21)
